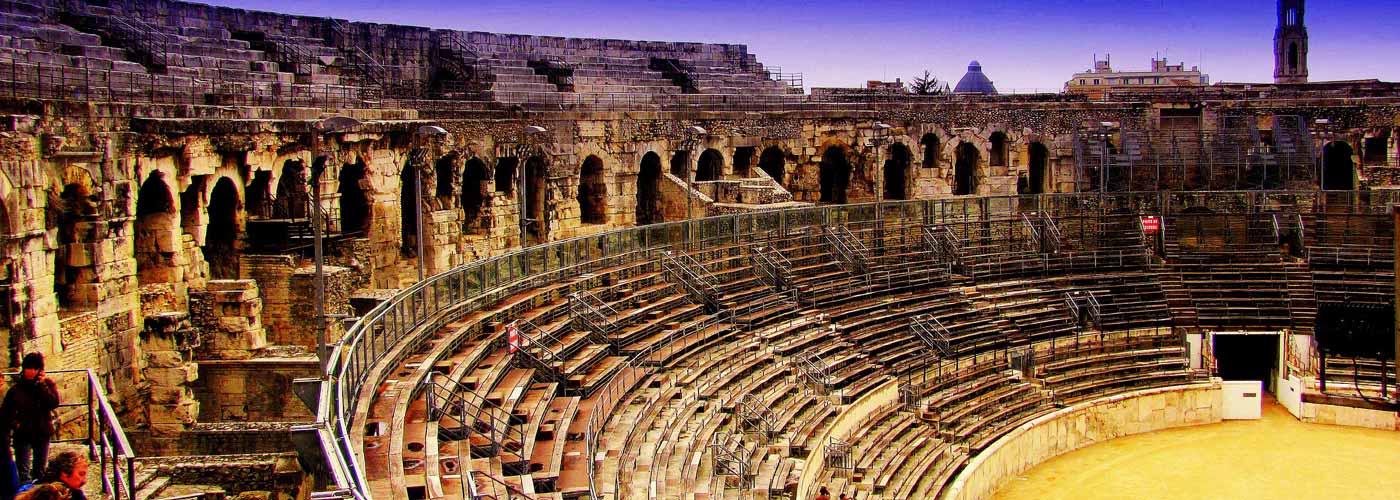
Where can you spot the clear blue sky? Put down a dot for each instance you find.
(1020, 43)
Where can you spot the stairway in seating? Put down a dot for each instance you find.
(1302, 298)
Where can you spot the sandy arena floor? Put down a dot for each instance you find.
(1272, 458)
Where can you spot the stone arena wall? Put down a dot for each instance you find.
(1083, 425)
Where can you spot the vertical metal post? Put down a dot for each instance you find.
(316, 230)
(418, 211)
(524, 199)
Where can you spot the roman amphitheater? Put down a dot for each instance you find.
(274, 256)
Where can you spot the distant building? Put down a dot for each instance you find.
(975, 82)
(895, 87)
(1290, 44)
(1103, 78)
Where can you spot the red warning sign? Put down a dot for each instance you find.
(1151, 224)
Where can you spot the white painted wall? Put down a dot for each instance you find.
(1243, 399)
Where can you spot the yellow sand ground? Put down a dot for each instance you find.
(1274, 458)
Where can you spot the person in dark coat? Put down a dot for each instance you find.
(24, 415)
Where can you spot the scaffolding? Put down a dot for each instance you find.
(1234, 155)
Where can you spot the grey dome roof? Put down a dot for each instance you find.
(974, 82)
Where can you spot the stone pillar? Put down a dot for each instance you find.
(228, 319)
(340, 285)
(168, 343)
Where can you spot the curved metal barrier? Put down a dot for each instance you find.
(387, 333)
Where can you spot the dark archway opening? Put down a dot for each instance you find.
(259, 194)
(75, 283)
(835, 175)
(292, 199)
(534, 193)
(355, 210)
(442, 181)
(1293, 56)
(930, 144)
(998, 152)
(1337, 167)
(743, 160)
(710, 167)
(897, 172)
(474, 188)
(1375, 150)
(157, 239)
(648, 190)
(680, 161)
(1040, 165)
(592, 192)
(408, 210)
(965, 171)
(774, 163)
(221, 236)
(505, 174)
(1246, 357)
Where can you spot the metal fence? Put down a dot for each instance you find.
(388, 333)
(95, 426)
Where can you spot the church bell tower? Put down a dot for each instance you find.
(1290, 44)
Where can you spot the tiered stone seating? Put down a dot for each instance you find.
(1091, 365)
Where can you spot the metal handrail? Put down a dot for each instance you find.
(374, 343)
(591, 314)
(934, 335)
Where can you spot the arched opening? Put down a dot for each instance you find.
(965, 171)
(998, 152)
(743, 159)
(1293, 56)
(930, 144)
(74, 277)
(473, 195)
(680, 161)
(835, 175)
(221, 236)
(773, 162)
(648, 190)
(157, 239)
(1375, 149)
(897, 172)
(259, 194)
(592, 192)
(354, 204)
(408, 210)
(534, 194)
(1040, 163)
(292, 198)
(710, 167)
(505, 174)
(1337, 167)
(442, 181)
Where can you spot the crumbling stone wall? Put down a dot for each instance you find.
(253, 390)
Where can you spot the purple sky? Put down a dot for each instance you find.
(1021, 44)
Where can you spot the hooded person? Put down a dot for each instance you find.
(25, 417)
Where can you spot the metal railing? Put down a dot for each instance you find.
(692, 276)
(772, 267)
(100, 431)
(385, 335)
(591, 314)
(849, 250)
(933, 334)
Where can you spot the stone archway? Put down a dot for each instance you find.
(649, 190)
(505, 174)
(592, 192)
(1040, 168)
(158, 233)
(743, 159)
(443, 173)
(535, 171)
(355, 209)
(897, 172)
(834, 175)
(930, 144)
(1338, 168)
(710, 167)
(409, 206)
(997, 156)
(221, 235)
(474, 191)
(75, 278)
(774, 163)
(965, 170)
(292, 199)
